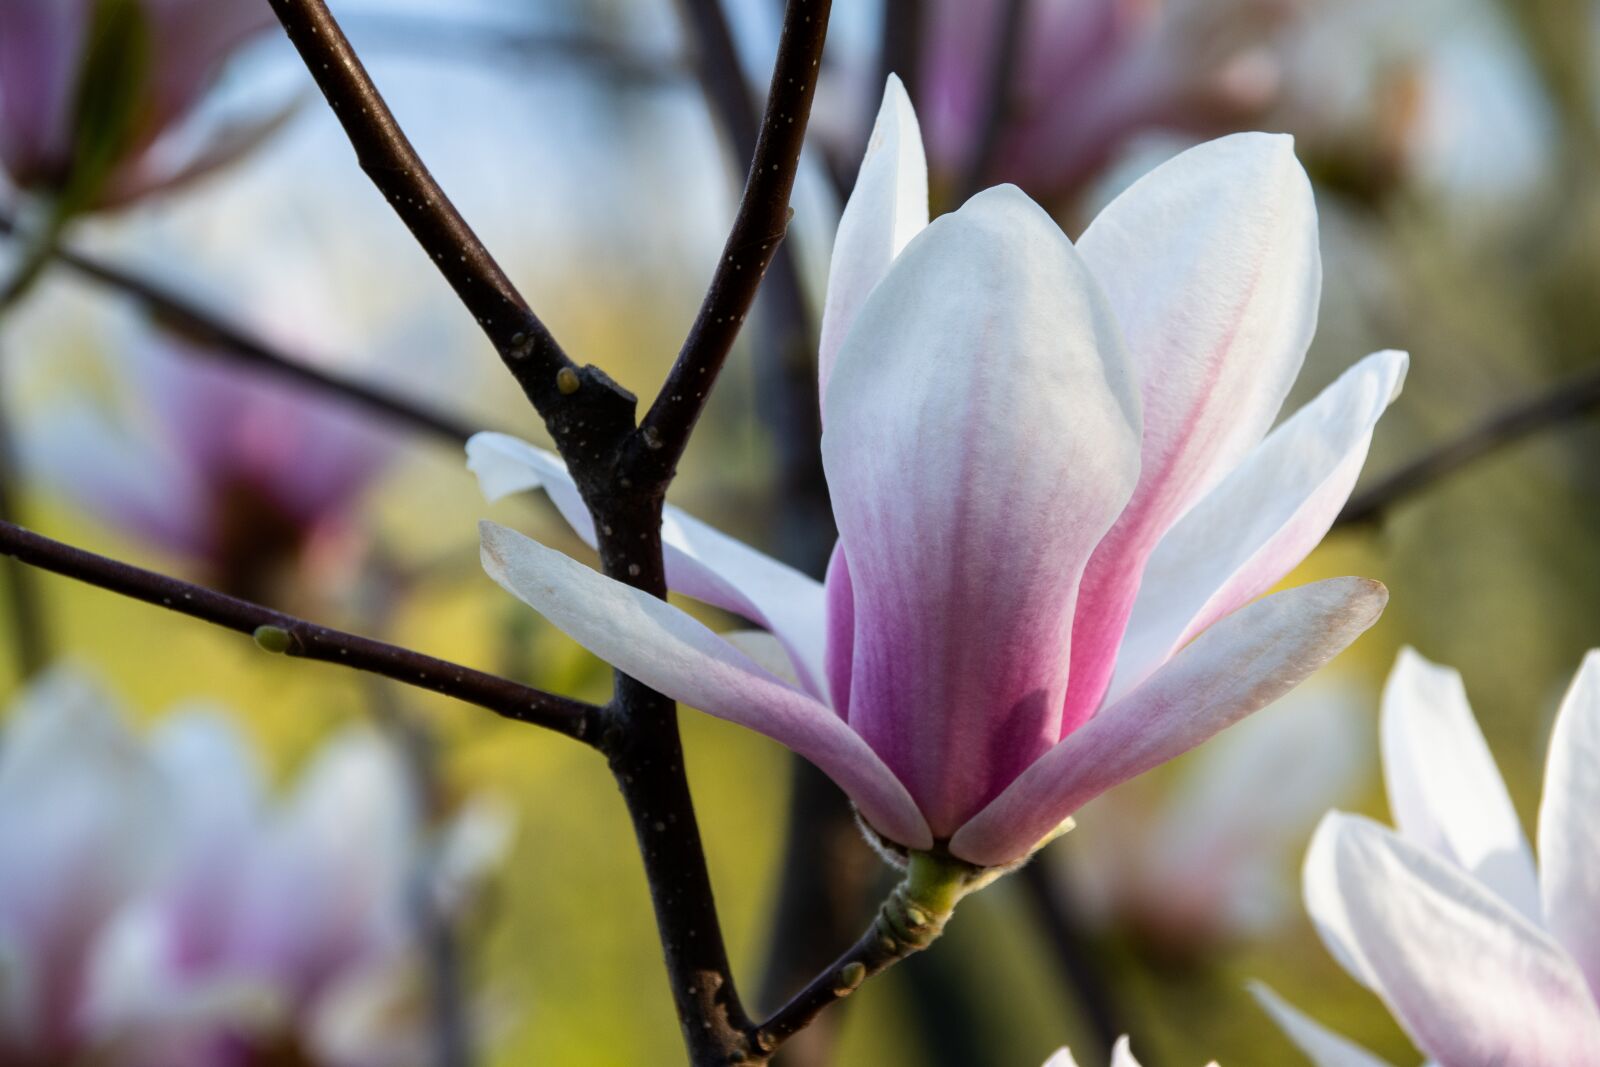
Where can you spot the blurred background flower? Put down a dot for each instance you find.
(159, 907)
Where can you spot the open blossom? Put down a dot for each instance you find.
(156, 910)
(1057, 500)
(1481, 957)
(174, 50)
(242, 474)
(1121, 1056)
(1205, 863)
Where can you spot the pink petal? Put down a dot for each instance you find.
(41, 46)
(1240, 665)
(667, 650)
(1260, 522)
(886, 209)
(981, 438)
(1569, 824)
(1445, 792)
(1211, 266)
(701, 562)
(1471, 980)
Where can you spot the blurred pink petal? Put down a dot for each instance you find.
(40, 43)
(43, 49)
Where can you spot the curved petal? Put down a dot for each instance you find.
(1469, 978)
(1122, 1053)
(1239, 666)
(1322, 1046)
(1569, 833)
(667, 650)
(981, 438)
(886, 209)
(1260, 522)
(1211, 266)
(1445, 792)
(701, 562)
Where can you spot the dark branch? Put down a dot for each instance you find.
(556, 386)
(217, 337)
(998, 102)
(25, 612)
(762, 221)
(277, 632)
(1571, 399)
(1074, 955)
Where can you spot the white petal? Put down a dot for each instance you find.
(1569, 823)
(1322, 1046)
(1261, 521)
(1062, 1057)
(1122, 1053)
(667, 650)
(1238, 666)
(886, 209)
(1444, 791)
(701, 562)
(1211, 265)
(1470, 979)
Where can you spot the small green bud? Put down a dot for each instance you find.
(274, 639)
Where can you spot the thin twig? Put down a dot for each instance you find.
(1571, 399)
(216, 336)
(434, 35)
(23, 604)
(291, 636)
(998, 101)
(762, 221)
(571, 399)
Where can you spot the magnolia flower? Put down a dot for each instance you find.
(1055, 503)
(1090, 75)
(1205, 863)
(1481, 958)
(1121, 1056)
(77, 74)
(242, 474)
(156, 910)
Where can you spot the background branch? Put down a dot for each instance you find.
(763, 216)
(1568, 400)
(572, 400)
(291, 636)
(216, 336)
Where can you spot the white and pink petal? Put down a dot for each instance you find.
(664, 648)
(1240, 665)
(981, 437)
